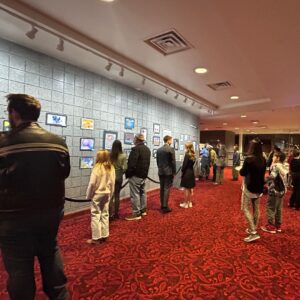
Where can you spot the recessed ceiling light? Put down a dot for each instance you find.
(236, 128)
(225, 123)
(107, 0)
(200, 70)
(243, 116)
(254, 122)
(234, 97)
(205, 128)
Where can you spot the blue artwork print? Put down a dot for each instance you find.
(56, 119)
(129, 123)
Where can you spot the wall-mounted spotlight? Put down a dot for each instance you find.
(200, 107)
(108, 66)
(121, 73)
(166, 91)
(143, 81)
(193, 103)
(60, 45)
(176, 96)
(31, 33)
(185, 100)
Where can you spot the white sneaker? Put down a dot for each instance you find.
(251, 238)
(184, 205)
(190, 205)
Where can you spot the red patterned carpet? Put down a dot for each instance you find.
(195, 253)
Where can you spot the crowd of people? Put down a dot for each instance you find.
(34, 164)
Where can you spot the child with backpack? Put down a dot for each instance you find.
(277, 186)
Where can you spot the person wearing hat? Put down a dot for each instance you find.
(137, 172)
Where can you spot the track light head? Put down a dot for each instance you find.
(143, 81)
(166, 91)
(108, 66)
(60, 45)
(185, 100)
(32, 32)
(176, 96)
(193, 103)
(121, 73)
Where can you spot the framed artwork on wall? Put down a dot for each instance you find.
(181, 137)
(129, 123)
(86, 162)
(154, 152)
(156, 140)
(128, 138)
(6, 125)
(143, 131)
(175, 144)
(108, 139)
(56, 119)
(156, 128)
(87, 144)
(87, 124)
(181, 147)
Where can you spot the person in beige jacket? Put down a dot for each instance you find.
(100, 190)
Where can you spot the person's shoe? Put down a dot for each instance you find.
(91, 241)
(251, 238)
(166, 210)
(216, 183)
(269, 228)
(133, 217)
(278, 228)
(184, 205)
(190, 205)
(144, 214)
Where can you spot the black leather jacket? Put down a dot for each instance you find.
(34, 164)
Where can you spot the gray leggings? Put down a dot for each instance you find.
(247, 205)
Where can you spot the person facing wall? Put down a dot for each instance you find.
(34, 164)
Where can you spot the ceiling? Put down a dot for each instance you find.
(252, 44)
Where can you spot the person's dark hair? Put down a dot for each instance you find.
(167, 138)
(255, 148)
(115, 150)
(276, 148)
(281, 156)
(296, 152)
(26, 106)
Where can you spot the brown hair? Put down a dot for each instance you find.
(103, 158)
(167, 138)
(26, 106)
(190, 150)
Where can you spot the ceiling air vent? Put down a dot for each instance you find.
(220, 85)
(168, 42)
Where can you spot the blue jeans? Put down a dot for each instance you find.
(137, 195)
(22, 238)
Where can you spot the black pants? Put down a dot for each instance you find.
(165, 185)
(21, 240)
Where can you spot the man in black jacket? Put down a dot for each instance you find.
(137, 172)
(165, 158)
(34, 164)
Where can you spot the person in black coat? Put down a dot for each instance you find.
(295, 172)
(253, 170)
(188, 177)
(34, 164)
(137, 172)
(165, 158)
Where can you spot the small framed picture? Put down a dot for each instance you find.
(143, 131)
(156, 140)
(86, 162)
(154, 152)
(56, 119)
(156, 128)
(6, 125)
(108, 138)
(128, 138)
(129, 123)
(175, 144)
(87, 144)
(87, 124)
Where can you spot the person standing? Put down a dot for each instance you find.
(220, 163)
(188, 177)
(213, 159)
(101, 190)
(295, 172)
(137, 172)
(205, 161)
(34, 164)
(119, 161)
(165, 159)
(236, 161)
(253, 171)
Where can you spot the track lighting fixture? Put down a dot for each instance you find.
(143, 81)
(185, 100)
(176, 96)
(193, 103)
(166, 91)
(121, 73)
(108, 66)
(31, 33)
(60, 45)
